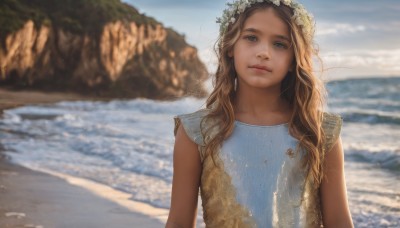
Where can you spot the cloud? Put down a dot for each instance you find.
(336, 36)
(387, 26)
(172, 4)
(385, 61)
(336, 29)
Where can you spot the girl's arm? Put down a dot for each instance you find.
(335, 210)
(185, 183)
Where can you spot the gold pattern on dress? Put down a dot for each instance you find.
(220, 206)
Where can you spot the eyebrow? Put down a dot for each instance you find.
(259, 32)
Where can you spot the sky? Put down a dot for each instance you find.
(356, 38)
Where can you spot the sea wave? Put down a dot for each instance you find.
(139, 105)
(370, 116)
(377, 102)
(387, 159)
(365, 116)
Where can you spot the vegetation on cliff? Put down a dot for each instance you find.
(78, 16)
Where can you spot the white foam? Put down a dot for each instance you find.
(15, 214)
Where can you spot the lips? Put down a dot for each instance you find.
(261, 67)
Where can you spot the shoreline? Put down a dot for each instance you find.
(12, 99)
(36, 199)
(33, 197)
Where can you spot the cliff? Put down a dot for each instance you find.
(101, 47)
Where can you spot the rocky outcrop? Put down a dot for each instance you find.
(124, 59)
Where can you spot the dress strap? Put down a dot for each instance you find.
(332, 125)
(192, 123)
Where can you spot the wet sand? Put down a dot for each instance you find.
(12, 99)
(30, 198)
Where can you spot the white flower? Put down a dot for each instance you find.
(299, 21)
(300, 15)
(276, 2)
(241, 8)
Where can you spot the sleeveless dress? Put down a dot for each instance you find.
(258, 180)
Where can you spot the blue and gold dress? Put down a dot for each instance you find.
(258, 179)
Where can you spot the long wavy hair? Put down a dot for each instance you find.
(300, 87)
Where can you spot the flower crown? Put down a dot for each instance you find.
(300, 16)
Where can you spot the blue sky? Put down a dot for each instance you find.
(355, 37)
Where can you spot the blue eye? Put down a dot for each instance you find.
(281, 45)
(250, 38)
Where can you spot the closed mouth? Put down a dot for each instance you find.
(259, 67)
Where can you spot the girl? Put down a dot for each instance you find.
(263, 152)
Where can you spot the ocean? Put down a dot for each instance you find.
(128, 144)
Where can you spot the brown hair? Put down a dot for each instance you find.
(301, 88)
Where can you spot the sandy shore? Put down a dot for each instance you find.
(30, 198)
(11, 99)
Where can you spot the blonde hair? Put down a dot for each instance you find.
(301, 88)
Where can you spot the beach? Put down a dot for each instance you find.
(29, 198)
(126, 147)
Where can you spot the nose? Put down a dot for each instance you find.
(263, 52)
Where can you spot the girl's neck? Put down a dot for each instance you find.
(261, 106)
